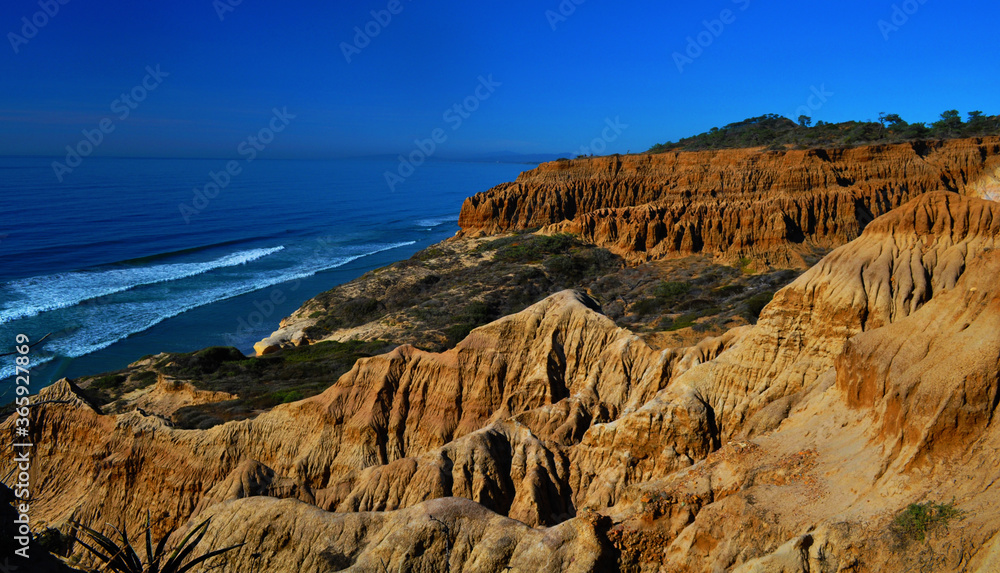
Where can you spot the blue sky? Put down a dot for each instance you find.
(564, 70)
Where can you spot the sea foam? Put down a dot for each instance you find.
(35, 295)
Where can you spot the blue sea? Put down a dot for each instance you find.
(107, 265)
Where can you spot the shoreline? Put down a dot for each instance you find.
(326, 211)
(262, 310)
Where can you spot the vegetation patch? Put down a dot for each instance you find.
(779, 133)
(755, 304)
(108, 382)
(666, 295)
(123, 557)
(920, 519)
(203, 362)
(144, 378)
(443, 297)
(260, 383)
(531, 248)
(103, 388)
(289, 375)
(55, 541)
(472, 316)
(435, 303)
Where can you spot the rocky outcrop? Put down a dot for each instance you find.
(552, 440)
(769, 206)
(487, 420)
(440, 535)
(168, 396)
(899, 263)
(903, 376)
(906, 415)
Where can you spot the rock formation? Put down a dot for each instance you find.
(553, 440)
(769, 206)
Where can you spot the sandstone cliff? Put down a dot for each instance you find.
(553, 440)
(769, 206)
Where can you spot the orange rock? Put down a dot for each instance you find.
(869, 383)
(764, 205)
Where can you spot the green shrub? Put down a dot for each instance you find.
(122, 557)
(428, 254)
(204, 361)
(144, 378)
(528, 276)
(604, 260)
(500, 242)
(646, 306)
(218, 355)
(261, 382)
(919, 519)
(349, 313)
(682, 321)
(475, 314)
(672, 290)
(755, 304)
(274, 398)
(688, 319)
(55, 541)
(360, 310)
(428, 282)
(564, 265)
(532, 248)
(665, 295)
(479, 313)
(775, 132)
(728, 290)
(108, 382)
(348, 351)
(457, 332)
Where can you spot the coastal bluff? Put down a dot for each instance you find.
(758, 204)
(864, 391)
(554, 440)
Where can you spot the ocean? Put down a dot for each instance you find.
(122, 259)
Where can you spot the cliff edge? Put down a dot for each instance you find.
(554, 440)
(767, 206)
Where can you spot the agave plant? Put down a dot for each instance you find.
(121, 557)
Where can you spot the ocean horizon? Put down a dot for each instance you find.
(134, 256)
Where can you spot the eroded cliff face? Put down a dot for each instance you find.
(487, 420)
(768, 206)
(553, 440)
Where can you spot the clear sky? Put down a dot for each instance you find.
(565, 69)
